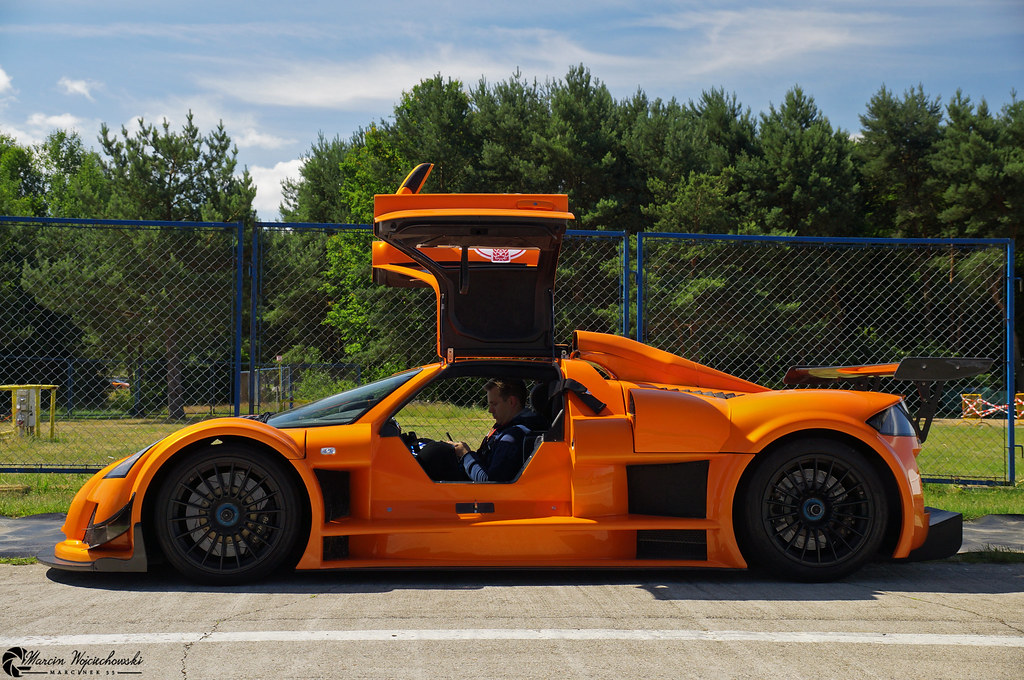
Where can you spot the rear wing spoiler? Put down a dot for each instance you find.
(929, 374)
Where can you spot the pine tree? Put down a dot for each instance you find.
(898, 139)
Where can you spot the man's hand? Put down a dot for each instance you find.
(461, 449)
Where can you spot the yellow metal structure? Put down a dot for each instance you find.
(19, 412)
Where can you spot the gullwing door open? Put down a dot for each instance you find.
(490, 259)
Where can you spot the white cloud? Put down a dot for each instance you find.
(208, 111)
(64, 121)
(326, 85)
(79, 87)
(18, 133)
(725, 41)
(379, 81)
(268, 186)
(5, 82)
(38, 125)
(251, 138)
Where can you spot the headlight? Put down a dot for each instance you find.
(122, 468)
(893, 422)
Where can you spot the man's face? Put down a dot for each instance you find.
(502, 408)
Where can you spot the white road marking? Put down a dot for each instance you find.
(570, 634)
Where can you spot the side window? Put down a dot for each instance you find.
(448, 409)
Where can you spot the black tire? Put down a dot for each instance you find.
(813, 510)
(226, 515)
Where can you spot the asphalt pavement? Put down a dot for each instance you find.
(916, 621)
(28, 536)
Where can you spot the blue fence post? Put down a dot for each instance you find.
(640, 334)
(236, 367)
(255, 311)
(1011, 378)
(625, 285)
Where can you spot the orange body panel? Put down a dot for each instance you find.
(397, 206)
(630, 360)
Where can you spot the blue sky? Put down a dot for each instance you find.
(278, 73)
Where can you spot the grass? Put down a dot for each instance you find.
(442, 421)
(46, 493)
(973, 502)
(93, 443)
(967, 449)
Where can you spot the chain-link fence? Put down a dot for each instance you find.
(137, 328)
(754, 307)
(310, 290)
(112, 335)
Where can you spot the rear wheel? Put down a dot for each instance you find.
(814, 510)
(226, 514)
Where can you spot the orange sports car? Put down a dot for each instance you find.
(619, 455)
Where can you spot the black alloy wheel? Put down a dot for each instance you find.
(815, 510)
(225, 514)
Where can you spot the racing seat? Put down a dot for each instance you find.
(547, 401)
(540, 403)
(544, 405)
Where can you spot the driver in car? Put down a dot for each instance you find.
(500, 455)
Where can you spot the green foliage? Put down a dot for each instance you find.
(21, 183)
(313, 197)
(296, 301)
(723, 131)
(898, 142)
(705, 166)
(581, 152)
(317, 384)
(76, 181)
(432, 124)
(373, 166)
(977, 170)
(181, 285)
(508, 119)
(364, 313)
(699, 189)
(699, 204)
(800, 178)
(158, 174)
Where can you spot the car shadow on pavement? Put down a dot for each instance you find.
(662, 584)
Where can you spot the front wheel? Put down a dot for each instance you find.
(226, 515)
(814, 510)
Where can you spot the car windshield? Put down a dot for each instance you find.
(343, 408)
